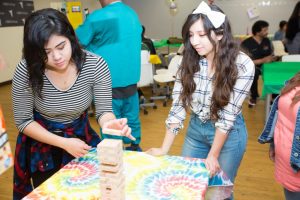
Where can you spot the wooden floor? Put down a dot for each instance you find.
(255, 180)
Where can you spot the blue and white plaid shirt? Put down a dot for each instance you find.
(201, 101)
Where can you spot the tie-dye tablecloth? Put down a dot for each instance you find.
(147, 178)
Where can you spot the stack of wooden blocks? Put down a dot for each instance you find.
(112, 178)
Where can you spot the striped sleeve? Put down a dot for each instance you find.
(22, 97)
(102, 89)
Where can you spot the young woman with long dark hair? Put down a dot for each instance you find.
(213, 80)
(53, 86)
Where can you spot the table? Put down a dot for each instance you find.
(274, 76)
(147, 178)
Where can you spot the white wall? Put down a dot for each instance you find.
(159, 23)
(158, 20)
(11, 39)
(11, 49)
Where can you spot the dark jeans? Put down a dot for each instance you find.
(291, 195)
(254, 86)
(39, 177)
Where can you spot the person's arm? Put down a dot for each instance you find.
(166, 145)
(211, 162)
(174, 122)
(108, 121)
(272, 151)
(73, 146)
(263, 60)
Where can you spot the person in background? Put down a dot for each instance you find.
(259, 48)
(148, 42)
(280, 34)
(210, 2)
(147, 45)
(114, 32)
(52, 88)
(284, 120)
(213, 80)
(293, 31)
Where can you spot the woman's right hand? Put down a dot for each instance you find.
(164, 149)
(156, 152)
(272, 153)
(76, 147)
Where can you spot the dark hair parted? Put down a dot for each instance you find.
(291, 84)
(293, 26)
(224, 63)
(258, 26)
(39, 27)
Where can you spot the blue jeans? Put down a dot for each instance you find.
(291, 195)
(200, 136)
(128, 108)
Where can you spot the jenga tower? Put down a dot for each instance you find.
(112, 178)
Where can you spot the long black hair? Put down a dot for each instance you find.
(225, 54)
(293, 25)
(39, 27)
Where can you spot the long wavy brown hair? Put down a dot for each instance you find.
(291, 84)
(225, 54)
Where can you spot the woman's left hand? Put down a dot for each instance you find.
(120, 126)
(212, 165)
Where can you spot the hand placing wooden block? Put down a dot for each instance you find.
(112, 131)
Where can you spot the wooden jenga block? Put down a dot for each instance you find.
(111, 144)
(112, 168)
(108, 159)
(117, 192)
(112, 178)
(113, 175)
(111, 152)
(111, 183)
(112, 197)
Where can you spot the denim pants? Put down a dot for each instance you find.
(200, 136)
(291, 195)
(127, 108)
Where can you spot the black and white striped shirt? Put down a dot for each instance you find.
(93, 81)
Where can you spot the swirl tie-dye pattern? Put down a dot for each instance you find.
(147, 178)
